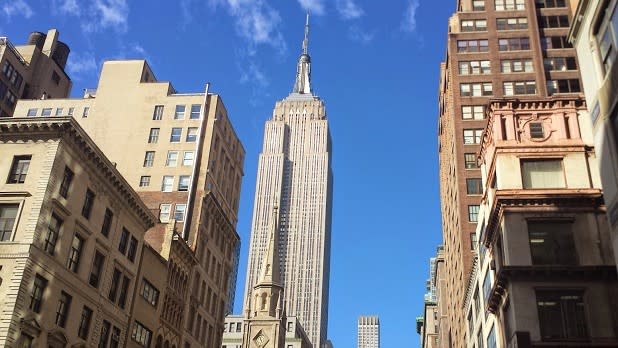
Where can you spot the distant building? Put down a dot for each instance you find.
(33, 71)
(595, 36)
(368, 332)
(546, 267)
(294, 173)
(71, 237)
(428, 325)
(499, 48)
(295, 336)
(181, 154)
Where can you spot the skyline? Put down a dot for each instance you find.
(353, 206)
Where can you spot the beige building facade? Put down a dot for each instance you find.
(71, 236)
(495, 48)
(551, 279)
(181, 154)
(368, 332)
(33, 71)
(595, 36)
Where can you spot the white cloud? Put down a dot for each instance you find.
(252, 74)
(313, 6)
(80, 64)
(69, 7)
(98, 15)
(17, 7)
(409, 19)
(358, 34)
(348, 9)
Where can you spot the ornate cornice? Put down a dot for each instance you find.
(67, 129)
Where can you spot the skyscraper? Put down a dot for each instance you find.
(513, 49)
(294, 173)
(368, 332)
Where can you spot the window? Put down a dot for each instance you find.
(479, 338)
(195, 111)
(71, 111)
(67, 178)
(180, 112)
(176, 135)
(164, 212)
(551, 243)
(560, 63)
(474, 186)
(512, 23)
(88, 202)
(141, 334)
(514, 44)
(150, 293)
(124, 292)
(86, 112)
(167, 184)
(132, 249)
(107, 222)
(59, 111)
(554, 21)
(55, 77)
(473, 112)
(473, 213)
(562, 314)
(97, 269)
(183, 182)
(104, 337)
(153, 137)
(10, 99)
(26, 341)
(12, 75)
(509, 5)
(478, 5)
(519, 87)
(149, 158)
(179, 212)
(516, 65)
(473, 241)
(53, 230)
(157, 114)
(19, 169)
(470, 160)
(476, 89)
(470, 323)
(555, 42)
(144, 181)
(472, 136)
(84, 323)
(115, 342)
(172, 159)
(536, 130)
(607, 38)
(124, 241)
(469, 46)
(113, 290)
(550, 3)
(477, 301)
(474, 25)
(36, 297)
(62, 311)
(191, 134)
(75, 253)
(474, 67)
(563, 86)
(31, 112)
(486, 286)
(8, 215)
(542, 173)
(46, 112)
(187, 158)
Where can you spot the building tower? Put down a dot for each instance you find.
(368, 332)
(496, 48)
(294, 173)
(264, 312)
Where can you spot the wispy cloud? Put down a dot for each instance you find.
(313, 6)
(349, 9)
(356, 33)
(17, 7)
(81, 64)
(409, 20)
(97, 15)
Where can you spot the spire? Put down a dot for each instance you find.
(271, 273)
(303, 70)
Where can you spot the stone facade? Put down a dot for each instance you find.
(368, 332)
(72, 235)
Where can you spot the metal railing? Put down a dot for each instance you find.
(5, 41)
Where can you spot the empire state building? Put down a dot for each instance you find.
(294, 173)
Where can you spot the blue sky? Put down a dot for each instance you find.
(375, 63)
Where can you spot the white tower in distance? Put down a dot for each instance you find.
(368, 332)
